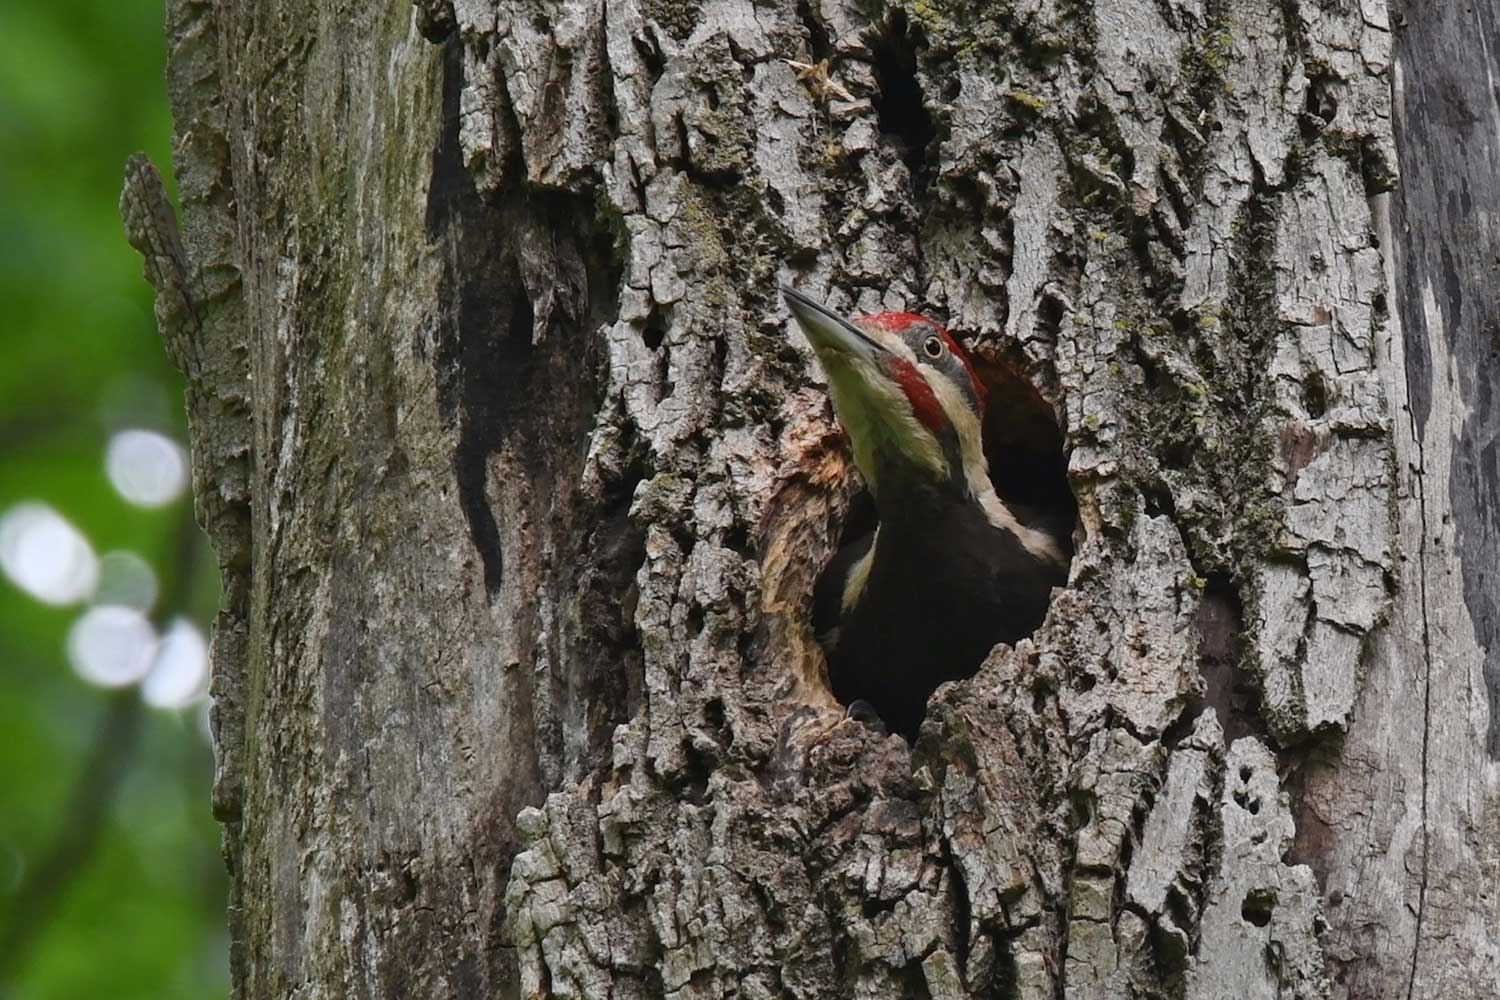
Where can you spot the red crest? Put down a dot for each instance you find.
(898, 322)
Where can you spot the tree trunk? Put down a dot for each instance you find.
(521, 479)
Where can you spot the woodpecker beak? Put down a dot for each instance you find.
(827, 331)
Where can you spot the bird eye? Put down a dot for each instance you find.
(933, 347)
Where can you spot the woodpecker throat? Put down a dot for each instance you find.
(952, 568)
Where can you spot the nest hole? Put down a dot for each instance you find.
(1028, 467)
(1027, 460)
(1027, 455)
(1258, 907)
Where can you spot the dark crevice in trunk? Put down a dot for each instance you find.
(818, 42)
(529, 278)
(1005, 977)
(1315, 842)
(511, 369)
(1226, 689)
(962, 909)
(913, 981)
(900, 104)
(435, 19)
(488, 299)
(1026, 452)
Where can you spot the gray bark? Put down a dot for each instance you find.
(521, 479)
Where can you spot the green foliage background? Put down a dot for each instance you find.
(136, 907)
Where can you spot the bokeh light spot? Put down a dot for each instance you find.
(148, 469)
(45, 555)
(111, 646)
(179, 675)
(126, 579)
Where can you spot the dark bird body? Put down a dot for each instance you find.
(934, 604)
(951, 570)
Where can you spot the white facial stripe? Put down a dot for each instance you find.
(977, 470)
(891, 341)
(951, 398)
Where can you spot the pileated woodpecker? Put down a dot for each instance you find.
(951, 569)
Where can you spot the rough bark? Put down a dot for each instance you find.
(521, 479)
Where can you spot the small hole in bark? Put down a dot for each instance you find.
(650, 54)
(899, 104)
(817, 35)
(1157, 500)
(1082, 808)
(713, 712)
(872, 908)
(1049, 315)
(1254, 807)
(1258, 906)
(655, 330)
(435, 20)
(1245, 773)
(776, 201)
(1322, 100)
(1314, 396)
(1221, 627)
(717, 722)
(1177, 455)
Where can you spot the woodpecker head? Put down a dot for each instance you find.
(908, 395)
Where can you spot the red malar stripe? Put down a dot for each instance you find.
(923, 402)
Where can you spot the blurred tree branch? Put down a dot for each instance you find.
(115, 749)
(44, 886)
